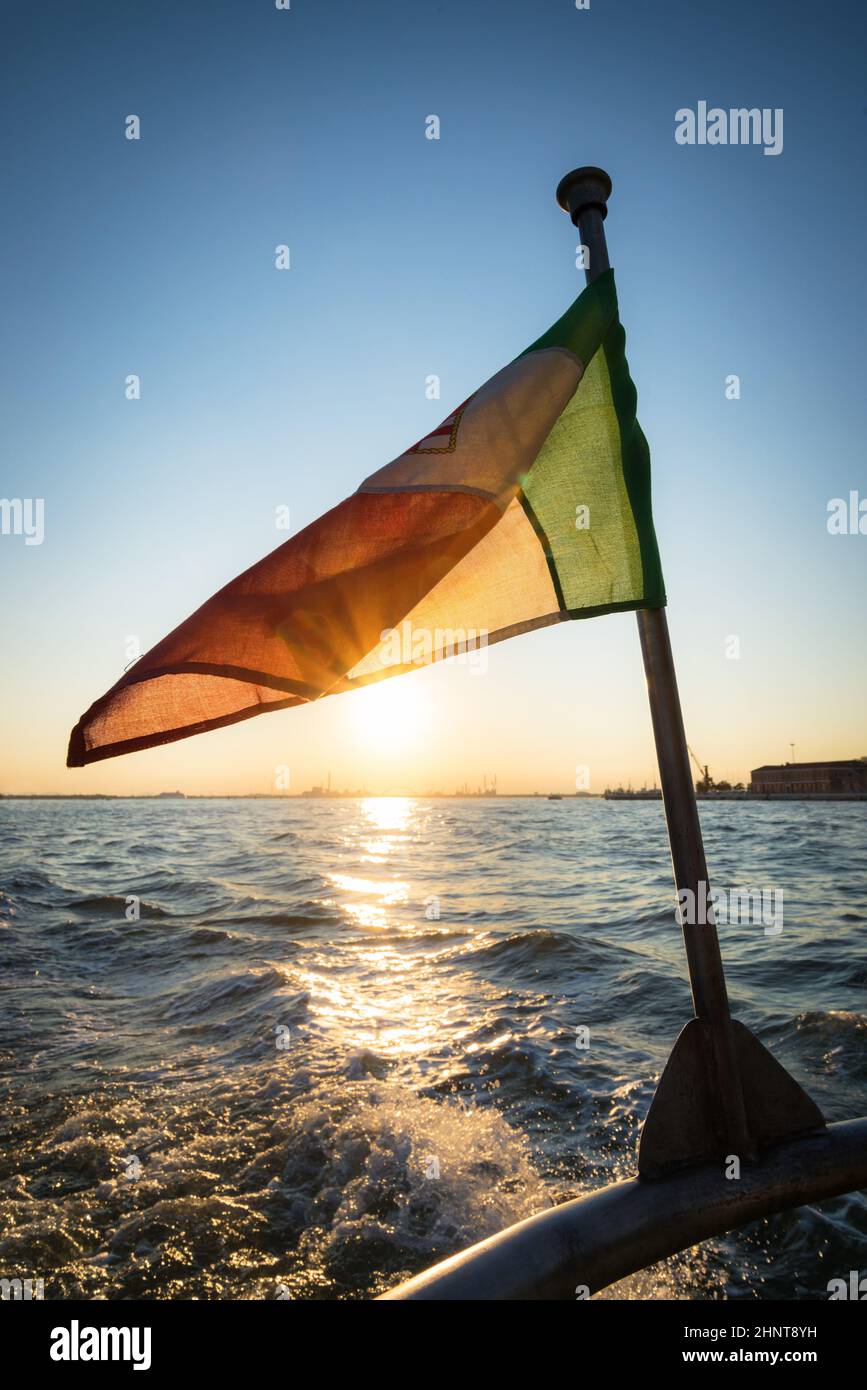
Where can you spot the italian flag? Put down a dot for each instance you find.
(528, 505)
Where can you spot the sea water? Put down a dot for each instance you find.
(305, 1048)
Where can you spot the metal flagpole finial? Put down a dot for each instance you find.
(584, 195)
(587, 187)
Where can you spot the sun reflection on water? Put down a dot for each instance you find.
(368, 907)
(377, 1006)
(388, 812)
(386, 825)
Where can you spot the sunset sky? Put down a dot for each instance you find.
(263, 388)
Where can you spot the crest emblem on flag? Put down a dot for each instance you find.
(444, 438)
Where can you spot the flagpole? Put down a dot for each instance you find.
(584, 194)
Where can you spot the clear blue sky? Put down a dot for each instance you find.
(412, 257)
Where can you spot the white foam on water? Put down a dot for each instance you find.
(412, 1178)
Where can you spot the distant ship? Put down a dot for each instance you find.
(627, 794)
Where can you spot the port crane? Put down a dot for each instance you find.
(705, 783)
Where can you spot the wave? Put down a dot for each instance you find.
(216, 995)
(542, 944)
(111, 904)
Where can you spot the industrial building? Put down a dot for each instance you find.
(845, 775)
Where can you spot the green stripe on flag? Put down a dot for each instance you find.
(635, 463)
(596, 458)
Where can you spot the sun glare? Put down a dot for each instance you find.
(390, 715)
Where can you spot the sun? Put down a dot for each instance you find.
(391, 714)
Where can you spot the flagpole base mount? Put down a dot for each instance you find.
(682, 1128)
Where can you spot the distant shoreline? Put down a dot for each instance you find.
(749, 797)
